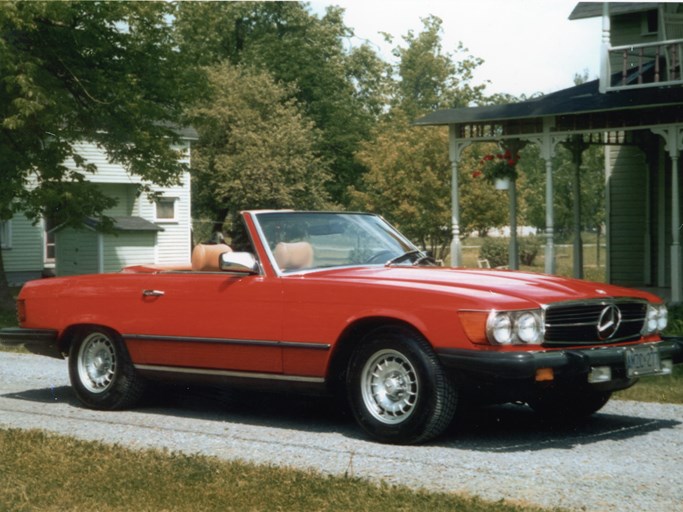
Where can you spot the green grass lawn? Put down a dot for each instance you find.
(45, 472)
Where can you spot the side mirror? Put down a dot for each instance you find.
(239, 263)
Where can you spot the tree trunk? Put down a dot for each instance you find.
(219, 220)
(6, 298)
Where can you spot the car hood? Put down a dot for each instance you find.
(522, 287)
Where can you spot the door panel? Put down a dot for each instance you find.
(207, 320)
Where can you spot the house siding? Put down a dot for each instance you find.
(128, 248)
(175, 241)
(24, 258)
(124, 195)
(627, 189)
(107, 172)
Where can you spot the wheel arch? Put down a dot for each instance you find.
(351, 338)
(72, 332)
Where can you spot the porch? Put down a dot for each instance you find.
(650, 120)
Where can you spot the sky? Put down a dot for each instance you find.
(528, 46)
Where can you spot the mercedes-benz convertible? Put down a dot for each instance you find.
(343, 304)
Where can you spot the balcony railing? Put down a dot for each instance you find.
(644, 65)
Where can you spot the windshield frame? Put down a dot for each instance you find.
(258, 216)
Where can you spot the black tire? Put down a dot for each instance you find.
(101, 373)
(569, 404)
(398, 391)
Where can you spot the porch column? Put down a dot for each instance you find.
(676, 282)
(604, 50)
(547, 142)
(455, 147)
(550, 267)
(673, 135)
(513, 253)
(577, 146)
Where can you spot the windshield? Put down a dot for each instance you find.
(313, 240)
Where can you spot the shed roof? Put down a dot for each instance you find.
(126, 223)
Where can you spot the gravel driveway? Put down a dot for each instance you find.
(628, 458)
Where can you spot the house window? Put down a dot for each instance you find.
(5, 234)
(49, 252)
(650, 23)
(166, 209)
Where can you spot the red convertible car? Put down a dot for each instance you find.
(342, 303)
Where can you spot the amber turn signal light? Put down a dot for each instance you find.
(545, 374)
(474, 325)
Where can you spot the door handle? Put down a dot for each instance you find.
(152, 293)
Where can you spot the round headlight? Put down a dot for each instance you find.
(651, 319)
(662, 317)
(528, 328)
(500, 328)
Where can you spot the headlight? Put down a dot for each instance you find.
(662, 317)
(529, 328)
(515, 327)
(499, 327)
(656, 318)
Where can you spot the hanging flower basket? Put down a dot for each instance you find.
(499, 169)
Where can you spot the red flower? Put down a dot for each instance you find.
(498, 166)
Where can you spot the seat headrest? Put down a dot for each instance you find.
(206, 257)
(295, 255)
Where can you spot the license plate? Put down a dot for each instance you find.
(642, 361)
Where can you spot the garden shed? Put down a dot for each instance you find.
(85, 250)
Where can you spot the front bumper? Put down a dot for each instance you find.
(499, 365)
(38, 341)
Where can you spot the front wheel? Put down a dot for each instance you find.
(101, 372)
(398, 391)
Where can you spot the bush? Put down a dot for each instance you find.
(495, 250)
(529, 247)
(675, 327)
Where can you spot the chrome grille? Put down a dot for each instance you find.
(577, 323)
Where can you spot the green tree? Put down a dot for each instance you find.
(409, 173)
(532, 167)
(340, 90)
(256, 149)
(482, 207)
(104, 72)
(408, 169)
(427, 78)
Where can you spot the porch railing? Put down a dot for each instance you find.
(644, 65)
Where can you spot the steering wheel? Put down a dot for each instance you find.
(381, 256)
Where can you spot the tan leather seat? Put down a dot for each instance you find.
(206, 257)
(293, 256)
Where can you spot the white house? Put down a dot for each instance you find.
(146, 231)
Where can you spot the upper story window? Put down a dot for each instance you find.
(5, 234)
(650, 23)
(166, 210)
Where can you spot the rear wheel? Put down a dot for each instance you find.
(569, 404)
(101, 372)
(398, 391)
